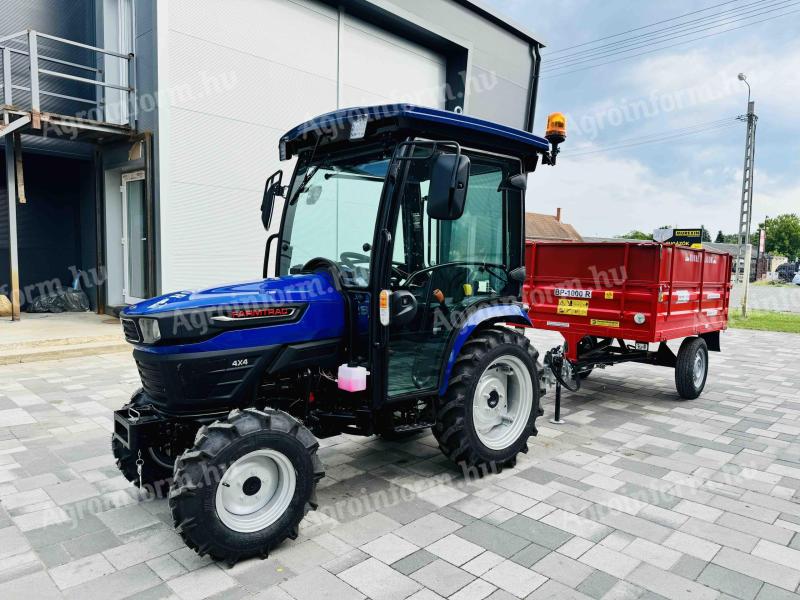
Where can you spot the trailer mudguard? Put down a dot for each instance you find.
(482, 317)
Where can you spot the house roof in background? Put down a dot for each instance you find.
(549, 227)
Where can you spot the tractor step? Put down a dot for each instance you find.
(406, 429)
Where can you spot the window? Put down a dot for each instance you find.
(333, 216)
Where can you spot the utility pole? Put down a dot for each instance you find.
(746, 208)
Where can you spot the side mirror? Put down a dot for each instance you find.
(517, 274)
(447, 192)
(517, 182)
(272, 188)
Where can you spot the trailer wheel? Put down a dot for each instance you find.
(245, 485)
(691, 368)
(157, 464)
(489, 410)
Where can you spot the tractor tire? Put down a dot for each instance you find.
(691, 368)
(157, 466)
(484, 422)
(245, 485)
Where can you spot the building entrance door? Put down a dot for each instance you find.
(134, 238)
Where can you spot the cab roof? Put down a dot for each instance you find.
(349, 125)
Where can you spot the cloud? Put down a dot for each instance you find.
(771, 73)
(603, 195)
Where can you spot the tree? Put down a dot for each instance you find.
(783, 235)
(720, 237)
(636, 235)
(705, 236)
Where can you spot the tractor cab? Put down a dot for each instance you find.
(417, 215)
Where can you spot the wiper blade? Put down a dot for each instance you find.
(306, 178)
(357, 176)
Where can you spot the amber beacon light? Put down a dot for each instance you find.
(555, 133)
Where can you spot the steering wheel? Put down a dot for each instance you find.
(353, 259)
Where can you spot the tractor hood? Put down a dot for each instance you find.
(294, 308)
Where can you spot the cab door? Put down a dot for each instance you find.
(441, 268)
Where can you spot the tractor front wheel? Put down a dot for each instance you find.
(245, 485)
(489, 410)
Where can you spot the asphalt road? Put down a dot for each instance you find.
(784, 298)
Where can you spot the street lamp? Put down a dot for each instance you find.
(743, 77)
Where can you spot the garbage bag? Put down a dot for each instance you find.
(68, 300)
(50, 303)
(75, 300)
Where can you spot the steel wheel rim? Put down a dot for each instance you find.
(502, 403)
(698, 369)
(256, 490)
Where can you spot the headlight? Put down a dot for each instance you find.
(150, 331)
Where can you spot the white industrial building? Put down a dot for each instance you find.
(181, 104)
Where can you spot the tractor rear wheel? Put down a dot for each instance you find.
(489, 410)
(245, 485)
(691, 368)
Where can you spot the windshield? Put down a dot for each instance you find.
(331, 214)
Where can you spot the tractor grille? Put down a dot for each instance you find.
(152, 379)
(130, 330)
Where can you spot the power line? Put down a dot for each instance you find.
(667, 38)
(685, 128)
(682, 28)
(608, 37)
(658, 138)
(546, 76)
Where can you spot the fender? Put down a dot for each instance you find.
(503, 313)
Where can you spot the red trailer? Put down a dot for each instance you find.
(598, 295)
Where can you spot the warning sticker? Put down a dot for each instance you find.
(573, 307)
(571, 293)
(609, 295)
(604, 323)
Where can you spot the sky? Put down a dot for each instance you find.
(689, 180)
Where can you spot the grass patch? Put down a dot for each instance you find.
(771, 283)
(764, 320)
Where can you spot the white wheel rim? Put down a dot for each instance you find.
(255, 491)
(502, 403)
(699, 368)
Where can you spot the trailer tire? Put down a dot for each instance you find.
(245, 485)
(691, 368)
(157, 466)
(456, 430)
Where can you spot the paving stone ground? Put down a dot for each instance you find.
(639, 495)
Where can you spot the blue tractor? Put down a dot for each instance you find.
(398, 261)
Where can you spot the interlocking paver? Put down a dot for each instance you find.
(673, 498)
(442, 577)
(730, 582)
(514, 579)
(378, 581)
(669, 585)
